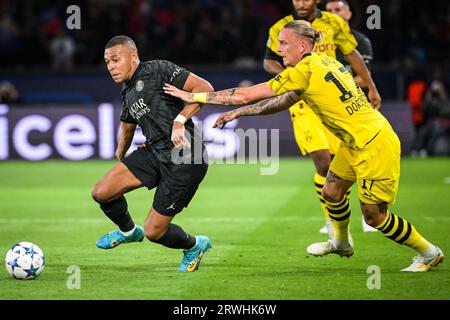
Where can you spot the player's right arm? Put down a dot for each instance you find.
(125, 138)
(291, 79)
(273, 63)
(273, 66)
(264, 107)
(287, 86)
(234, 96)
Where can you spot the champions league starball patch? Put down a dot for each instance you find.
(139, 85)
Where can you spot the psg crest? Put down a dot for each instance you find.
(139, 85)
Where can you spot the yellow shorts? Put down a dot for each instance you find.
(310, 134)
(376, 168)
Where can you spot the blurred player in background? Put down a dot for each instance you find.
(164, 120)
(311, 136)
(369, 153)
(341, 8)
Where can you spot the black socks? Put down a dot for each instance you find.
(117, 211)
(176, 238)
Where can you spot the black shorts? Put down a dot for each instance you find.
(176, 184)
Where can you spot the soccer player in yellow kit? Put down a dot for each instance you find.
(369, 153)
(310, 134)
(341, 8)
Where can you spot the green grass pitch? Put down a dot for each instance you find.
(259, 227)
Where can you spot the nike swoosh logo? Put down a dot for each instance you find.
(191, 266)
(114, 243)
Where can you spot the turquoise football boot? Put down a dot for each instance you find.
(114, 238)
(192, 257)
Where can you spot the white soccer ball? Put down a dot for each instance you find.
(24, 261)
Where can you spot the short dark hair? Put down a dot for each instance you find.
(343, 1)
(123, 40)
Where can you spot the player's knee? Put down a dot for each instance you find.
(152, 233)
(374, 219)
(322, 161)
(331, 194)
(322, 169)
(372, 215)
(99, 194)
(371, 221)
(322, 166)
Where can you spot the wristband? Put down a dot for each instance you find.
(200, 97)
(180, 118)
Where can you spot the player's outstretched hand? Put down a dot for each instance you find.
(178, 138)
(119, 154)
(375, 99)
(175, 92)
(226, 117)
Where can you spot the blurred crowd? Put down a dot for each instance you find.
(430, 112)
(413, 39)
(33, 33)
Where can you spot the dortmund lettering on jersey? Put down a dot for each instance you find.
(330, 91)
(336, 33)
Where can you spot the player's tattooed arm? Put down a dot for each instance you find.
(270, 105)
(234, 96)
(224, 97)
(267, 106)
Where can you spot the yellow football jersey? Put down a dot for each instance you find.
(330, 91)
(336, 33)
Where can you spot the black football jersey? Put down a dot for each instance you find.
(146, 104)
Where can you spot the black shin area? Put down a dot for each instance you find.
(176, 238)
(117, 211)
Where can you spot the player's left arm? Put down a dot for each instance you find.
(360, 68)
(193, 83)
(365, 49)
(347, 43)
(264, 107)
(283, 91)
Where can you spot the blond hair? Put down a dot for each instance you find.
(304, 29)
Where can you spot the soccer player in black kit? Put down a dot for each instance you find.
(166, 124)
